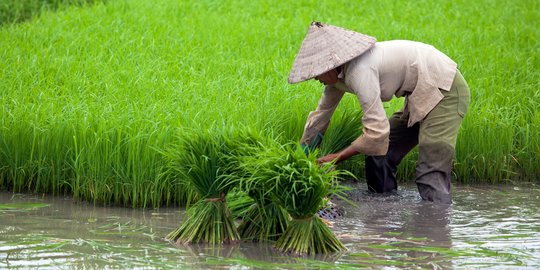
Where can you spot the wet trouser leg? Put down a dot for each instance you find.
(436, 136)
(381, 170)
(437, 141)
(379, 175)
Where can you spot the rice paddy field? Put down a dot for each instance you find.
(96, 97)
(92, 94)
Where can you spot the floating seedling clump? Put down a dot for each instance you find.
(263, 219)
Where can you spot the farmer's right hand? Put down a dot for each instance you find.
(329, 158)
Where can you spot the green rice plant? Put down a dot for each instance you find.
(343, 130)
(264, 219)
(91, 94)
(25, 206)
(201, 159)
(208, 221)
(208, 163)
(496, 161)
(299, 185)
(261, 218)
(15, 11)
(110, 168)
(239, 203)
(28, 166)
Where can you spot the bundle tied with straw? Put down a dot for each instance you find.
(299, 185)
(201, 159)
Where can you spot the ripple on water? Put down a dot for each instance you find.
(487, 226)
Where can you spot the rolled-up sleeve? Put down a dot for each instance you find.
(318, 120)
(364, 82)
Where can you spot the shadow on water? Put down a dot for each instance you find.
(486, 227)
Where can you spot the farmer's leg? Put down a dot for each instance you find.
(437, 142)
(381, 170)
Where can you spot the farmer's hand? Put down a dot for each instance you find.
(329, 158)
(340, 156)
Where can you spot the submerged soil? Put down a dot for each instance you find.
(486, 227)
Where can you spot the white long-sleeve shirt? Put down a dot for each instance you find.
(390, 68)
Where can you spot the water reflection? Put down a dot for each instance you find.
(485, 227)
(499, 225)
(397, 227)
(426, 226)
(258, 255)
(266, 252)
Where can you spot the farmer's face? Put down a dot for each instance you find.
(330, 77)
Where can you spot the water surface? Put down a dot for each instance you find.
(486, 227)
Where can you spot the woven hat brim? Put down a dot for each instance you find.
(326, 47)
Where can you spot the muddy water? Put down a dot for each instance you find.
(486, 227)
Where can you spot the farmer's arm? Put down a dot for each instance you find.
(376, 128)
(318, 120)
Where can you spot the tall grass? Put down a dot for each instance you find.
(91, 96)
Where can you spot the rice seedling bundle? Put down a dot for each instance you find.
(201, 161)
(209, 164)
(239, 203)
(264, 220)
(299, 185)
(343, 130)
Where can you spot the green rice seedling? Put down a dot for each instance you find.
(86, 113)
(239, 203)
(208, 221)
(201, 161)
(22, 206)
(229, 145)
(264, 220)
(299, 185)
(14, 11)
(342, 132)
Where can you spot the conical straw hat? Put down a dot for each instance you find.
(326, 47)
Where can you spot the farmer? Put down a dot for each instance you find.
(436, 100)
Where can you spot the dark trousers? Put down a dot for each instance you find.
(436, 139)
